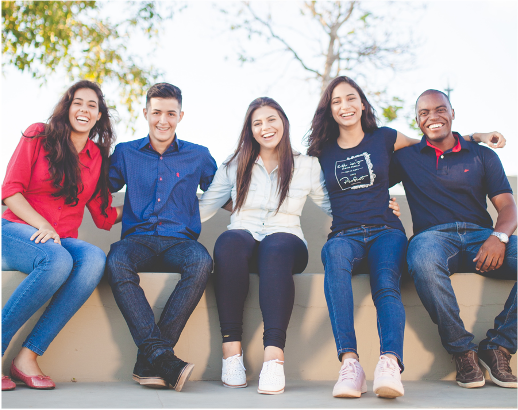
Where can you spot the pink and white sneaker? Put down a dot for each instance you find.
(351, 380)
(387, 378)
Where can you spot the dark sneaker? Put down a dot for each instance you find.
(496, 362)
(469, 374)
(144, 374)
(174, 370)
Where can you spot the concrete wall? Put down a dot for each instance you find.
(96, 343)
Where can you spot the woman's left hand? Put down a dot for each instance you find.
(492, 139)
(395, 207)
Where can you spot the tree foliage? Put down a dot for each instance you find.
(77, 38)
(327, 39)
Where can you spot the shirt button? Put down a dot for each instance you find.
(158, 199)
(59, 208)
(55, 224)
(160, 178)
(442, 156)
(161, 157)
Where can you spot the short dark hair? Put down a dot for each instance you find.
(164, 90)
(431, 91)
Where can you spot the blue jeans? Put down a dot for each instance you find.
(437, 253)
(69, 271)
(147, 253)
(384, 250)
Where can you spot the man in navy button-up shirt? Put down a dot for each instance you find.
(446, 181)
(160, 225)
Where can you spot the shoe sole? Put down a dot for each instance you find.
(349, 394)
(234, 386)
(270, 391)
(184, 376)
(472, 385)
(494, 379)
(388, 392)
(153, 382)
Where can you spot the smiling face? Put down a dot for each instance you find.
(162, 115)
(346, 105)
(435, 116)
(84, 111)
(267, 127)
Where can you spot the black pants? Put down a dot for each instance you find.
(276, 258)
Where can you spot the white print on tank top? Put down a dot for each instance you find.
(355, 172)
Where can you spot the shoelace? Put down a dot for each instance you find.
(466, 363)
(230, 368)
(271, 370)
(387, 366)
(347, 372)
(503, 361)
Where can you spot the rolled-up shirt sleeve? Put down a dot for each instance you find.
(318, 192)
(19, 170)
(100, 220)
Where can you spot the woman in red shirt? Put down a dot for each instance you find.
(57, 169)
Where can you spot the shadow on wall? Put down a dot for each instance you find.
(309, 327)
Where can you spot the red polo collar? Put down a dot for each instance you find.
(438, 152)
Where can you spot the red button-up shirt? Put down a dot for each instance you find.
(28, 173)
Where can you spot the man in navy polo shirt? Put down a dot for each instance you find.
(160, 228)
(446, 181)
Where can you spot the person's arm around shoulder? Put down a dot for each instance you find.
(318, 192)
(493, 139)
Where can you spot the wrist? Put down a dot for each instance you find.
(502, 237)
(474, 137)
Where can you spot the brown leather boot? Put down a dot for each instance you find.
(469, 374)
(496, 362)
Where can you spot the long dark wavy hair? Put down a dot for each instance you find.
(248, 149)
(325, 129)
(64, 167)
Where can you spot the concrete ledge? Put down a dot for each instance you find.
(96, 344)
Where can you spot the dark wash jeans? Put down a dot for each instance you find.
(438, 252)
(384, 250)
(146, 253)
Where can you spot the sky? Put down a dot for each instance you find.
(472, 43)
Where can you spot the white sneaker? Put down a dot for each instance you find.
(233, 372)
(387, 378)
(351, 380)
(271, 379)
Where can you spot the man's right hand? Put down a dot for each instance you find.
(44, 233)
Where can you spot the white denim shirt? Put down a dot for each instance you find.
(257, 215)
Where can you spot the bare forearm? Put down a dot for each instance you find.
(506, 221)
(23, 210)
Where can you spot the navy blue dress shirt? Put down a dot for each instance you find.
(161, 189)
(449, 188)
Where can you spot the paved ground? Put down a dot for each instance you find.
(210, 394)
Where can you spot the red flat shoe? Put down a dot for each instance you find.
(34, 382)
(7, 383)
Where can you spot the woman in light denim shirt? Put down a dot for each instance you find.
(268, 184)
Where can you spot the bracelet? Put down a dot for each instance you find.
(471, 137)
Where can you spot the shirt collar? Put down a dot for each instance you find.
(87, 148)
(461, 144)
(175, 146)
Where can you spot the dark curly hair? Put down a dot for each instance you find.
(324, 128)
(64, 168)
